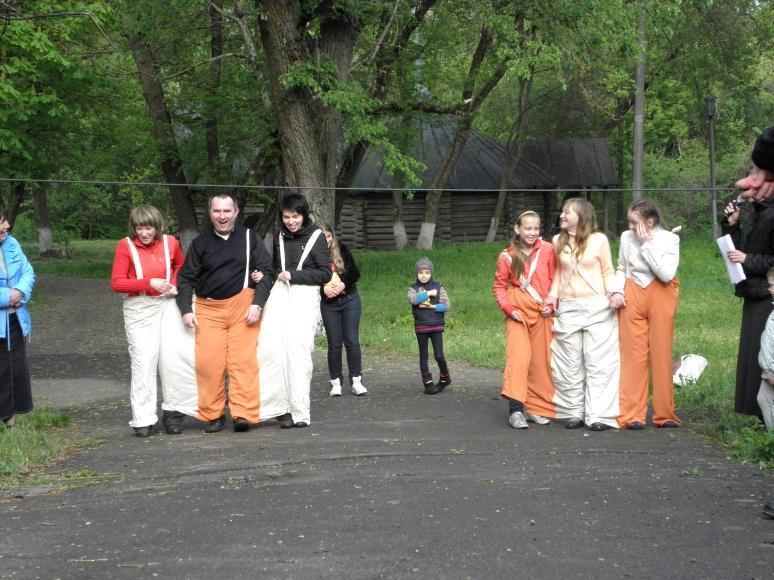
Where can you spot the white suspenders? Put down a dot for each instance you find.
(138, 265)
(307, 249)
(526, 283)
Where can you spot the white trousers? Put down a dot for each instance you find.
(159, 343)
(766, 403)
(585, 361)
(285, 347)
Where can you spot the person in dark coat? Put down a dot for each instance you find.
(753, 237)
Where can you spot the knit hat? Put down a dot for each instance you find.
(763, 151)
(424, 263)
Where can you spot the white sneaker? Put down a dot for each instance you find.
(538, 419)
(336, 388)
(517, 420)
(357, 387)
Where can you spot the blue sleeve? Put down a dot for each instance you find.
(26, 282)
(5, 297)
(441, 308)
(421, 297)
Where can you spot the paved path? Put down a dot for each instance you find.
(396, 484)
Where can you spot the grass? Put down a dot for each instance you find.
(37, 437)
(708, 321)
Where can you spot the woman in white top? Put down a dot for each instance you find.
(646, 296)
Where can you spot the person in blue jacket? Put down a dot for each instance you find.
(16, 281)
(429, 302)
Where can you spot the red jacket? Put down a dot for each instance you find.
(124, 278)
(541, 280)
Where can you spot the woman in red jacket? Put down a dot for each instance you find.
(145, 269)
(525, 270)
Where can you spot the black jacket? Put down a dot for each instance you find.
(755, 237)
(350, 275)
(316, 270)
(215, 268)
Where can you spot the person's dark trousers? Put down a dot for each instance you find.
(341, 318)
(437, 339)
(15, 389)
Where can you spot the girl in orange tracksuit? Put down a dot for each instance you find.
(646, 297)
(523, 278)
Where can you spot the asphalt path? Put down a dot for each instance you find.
(395, 484)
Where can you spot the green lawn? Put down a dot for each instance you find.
(708, 320)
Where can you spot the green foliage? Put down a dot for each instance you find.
(36, 438)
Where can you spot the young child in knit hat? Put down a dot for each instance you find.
(429, 302)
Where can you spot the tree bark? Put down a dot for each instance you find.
(15, 198)
(171, 163)
(310, 134)
(45, 235)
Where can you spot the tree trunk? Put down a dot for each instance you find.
(398, 227)
(45, 235)
(171, 163)
(310, 134)
(211, 124)
(639, 105)
(15, 198)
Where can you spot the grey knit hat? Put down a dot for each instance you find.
(424, 263)
(763, 151)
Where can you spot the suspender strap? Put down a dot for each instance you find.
(307, 249)
(576, 269)
(167, 261)
(526, 283)
(247, 257)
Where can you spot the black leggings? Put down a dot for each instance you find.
(437, 339)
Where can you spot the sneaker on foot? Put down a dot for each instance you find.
(517, 420)
(336, 388)
(539, 419)
(357, 387)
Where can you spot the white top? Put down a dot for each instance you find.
(766, 356)
(657, 258)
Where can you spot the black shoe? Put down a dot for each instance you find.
(241, 425)
(599, 427)
(635, 426)
(285, 421)
(443, 382)
(143, 431)
(215, 425)
(173, 422)
(670, 425)
(768, 510)
(301, 424)
(574, 423)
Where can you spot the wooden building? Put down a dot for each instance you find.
(467, 205)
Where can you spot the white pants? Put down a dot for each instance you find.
(766, 403)
(585, 361)
(159, 342)
(285, 348)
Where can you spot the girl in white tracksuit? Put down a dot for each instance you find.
(585, 359)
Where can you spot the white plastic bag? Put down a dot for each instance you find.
(687, 369)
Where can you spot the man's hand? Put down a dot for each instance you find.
(732, 213)
(190, 321)
(253, 314)
(736, 256)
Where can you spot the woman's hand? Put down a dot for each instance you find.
(433, 292)
(284, 276)
(16, 298)
(731, 211)
(617, 301)
(256, 276)
(549, 306)
(517, 316)
(643, 233)
(330, 291)
(547, 310)
(161, 286)
(736, 256)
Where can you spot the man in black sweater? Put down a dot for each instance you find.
(227, 312)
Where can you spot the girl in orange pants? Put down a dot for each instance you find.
(525, 270)
(646, 297)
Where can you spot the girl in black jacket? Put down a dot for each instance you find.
(341, 309)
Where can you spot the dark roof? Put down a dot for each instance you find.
(545, 163)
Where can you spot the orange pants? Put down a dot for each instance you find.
(527, 374)
(646, 328)
(226, 344)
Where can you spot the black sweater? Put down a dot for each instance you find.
(755, 237)
(316, 270)
(215, 268)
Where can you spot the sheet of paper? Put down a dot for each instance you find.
(735, 271)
